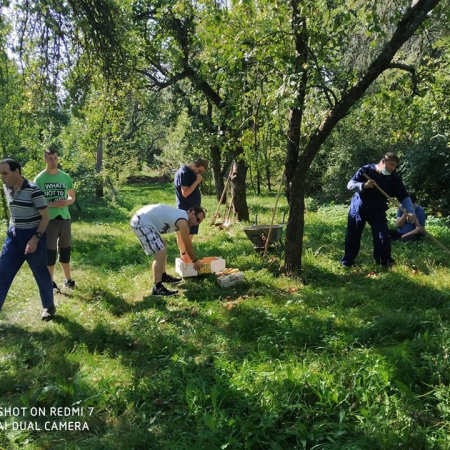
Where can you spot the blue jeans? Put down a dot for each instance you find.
(12, 258)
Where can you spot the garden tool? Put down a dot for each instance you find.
(403, 210)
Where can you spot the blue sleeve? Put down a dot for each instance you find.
(421, 216)
(357, 181)
(355, 186)
(408, 205)
(176, 180)
(184, 179)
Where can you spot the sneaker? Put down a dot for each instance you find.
(56, 289)
(162, 290)
(166, 278)
(48, 313)
(69, 283)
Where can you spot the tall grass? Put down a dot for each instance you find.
(339, 359)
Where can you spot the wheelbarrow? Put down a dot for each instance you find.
(258, 235)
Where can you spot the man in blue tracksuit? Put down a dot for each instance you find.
(370, 205)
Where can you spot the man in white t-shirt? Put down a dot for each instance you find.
(150, 222)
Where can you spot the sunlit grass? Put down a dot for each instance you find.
(339, 359)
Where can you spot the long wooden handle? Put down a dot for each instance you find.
(392, 200)
(221, 199)
(401, 207)
(266, 247)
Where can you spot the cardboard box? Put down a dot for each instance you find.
(230, 280)
(212, 264)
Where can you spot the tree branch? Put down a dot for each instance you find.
(411, 70)
(159, 84)
(414, 17)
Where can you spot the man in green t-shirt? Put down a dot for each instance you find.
(59, 193)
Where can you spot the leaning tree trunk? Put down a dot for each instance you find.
(238, 187)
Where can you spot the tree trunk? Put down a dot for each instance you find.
(295, 186)
(217, 172)
(269, 186)
(267, 152)
(258, 181)
(98, 168)
(294, 230)
(238, 187)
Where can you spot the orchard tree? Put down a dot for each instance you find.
(339, 53)
(316, 60)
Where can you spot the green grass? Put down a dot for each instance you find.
(342, 359)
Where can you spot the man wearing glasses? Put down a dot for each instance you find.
(150, 222)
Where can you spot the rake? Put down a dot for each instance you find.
(403, 210)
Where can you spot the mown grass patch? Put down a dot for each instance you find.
(340, 359)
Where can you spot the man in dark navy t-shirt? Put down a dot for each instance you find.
(187, 189)
(370, 205)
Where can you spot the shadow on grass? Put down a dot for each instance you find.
(43, 374)
(107, 251)
(203, 367)
(173, 363)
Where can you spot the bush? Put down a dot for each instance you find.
(427, 172)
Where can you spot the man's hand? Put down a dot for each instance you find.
(184, 242)
(31, 245)
(185, 258)
(369, 184)
(199, 178)
(411, 218)
(197, 265)
(57, 203)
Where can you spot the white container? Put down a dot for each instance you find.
(230, 280)
(211, 264)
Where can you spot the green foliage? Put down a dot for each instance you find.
(427, 172)
(345, 359)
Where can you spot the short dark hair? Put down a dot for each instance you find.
(390, 156)
(13, 165)
(412, 196)
(197, 210)
(201, 162)
(50, 151)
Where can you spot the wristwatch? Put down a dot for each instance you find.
(38, 234)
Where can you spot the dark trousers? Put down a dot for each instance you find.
(12, 258)
(358, 216)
